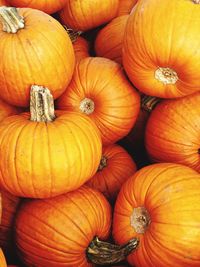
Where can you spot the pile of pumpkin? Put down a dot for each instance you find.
(100, 133)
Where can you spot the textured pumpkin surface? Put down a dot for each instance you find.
(173, 132)
(7, 110)
(116, 168)
(115, 102)
(2, 259)
(109, 40)
(161, 47)
(170, 193)
(125, 6)
(3, 3)
(30, 58)
(46, 159)
(48, 6)
(81, 48)
(88, 14)
(56, 232)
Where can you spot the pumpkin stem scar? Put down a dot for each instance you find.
(196, 1)
(72, 34)
(103, 253)
(41, 104)
(10, 18)
(166, 75)
(103, 163)
(87, 106)
(140, 220)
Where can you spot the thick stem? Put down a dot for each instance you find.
(103, 253)
(140, 220)
(166, 75)
(103, 163)
(87, 106)
(148, 103)
(41, 104)
(72, 34)
(10, 18)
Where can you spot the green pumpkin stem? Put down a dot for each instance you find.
(41, 104)
(10, 18)
(103, 253)
(148, 103)
(72, 34)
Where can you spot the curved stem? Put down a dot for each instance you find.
(103, 253)
(103, 163)
(72, 34)
(12, 21)
(41, 104)
(148, 103)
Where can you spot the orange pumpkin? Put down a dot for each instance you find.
(3, 3)
(100, 90)
(160, 206)
(43, 155)
(50, 6)
(172, 132)
(161, 53)
(57, 231)
(109, 40)
(125, 6)
(2, 259)
(31, 54)
(7, 110)
(88, 14)
(115, 168)
(81, 48)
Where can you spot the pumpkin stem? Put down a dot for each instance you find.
(41, 104)
(72, 34)
(103, 253)
(140, 220)
(166, 75)
(87, 106)
(196, 1)
(12, 21)
(148, 103)
(103, 163)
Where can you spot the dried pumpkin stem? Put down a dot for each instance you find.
(103, 163)
(41, 104)
(166, 75)
(12, 21)
(72, 34)
(140, 220)
(148, 103)
(87, 106)
(103, 253)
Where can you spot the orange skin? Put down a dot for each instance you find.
(56, 232)
(47, 159)
(116, 102)
(3, 3)
(49, 7)
(171, 195)
(109, 40)
(81, 48)
(160, 34)
(7, 110)
(2, 259)
(125, 6)
(172, 132)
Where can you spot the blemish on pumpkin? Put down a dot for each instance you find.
(140, 220)
(87, 106)
(166, 75)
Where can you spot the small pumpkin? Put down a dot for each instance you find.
(50, 6)
(161, 53)
(109, 40)
(115, 168)
(160, 206)
(100, 89)
(172, 132)
(125, 6)
(88, 14)
(29, 51)
(45, 154)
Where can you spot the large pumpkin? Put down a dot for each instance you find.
(57, 232)
(160, 206)
(115, 168)
(173, 131)
(161, 47)
(45, 154)
(32, 46)
(88, 14)
(109, 40)
(125, 7)
(48, 6)
(100, 89)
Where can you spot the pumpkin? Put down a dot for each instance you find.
(2, 259)
(50, 6)
(88, 14)
(32, 48)
(100, 90)
(57, 231)
(7, 110)
(115, 168)
(160, 206)
(45, 154)
(109, 40)
(125, 7)
(172, 131)
(81, 48)
(161, 53)
(3, 3)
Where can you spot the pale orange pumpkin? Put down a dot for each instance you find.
(161, 53)
(109, 40)
(100, 89)
(88, 14)
(160, 206)
(125, 6)
(38, 51)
